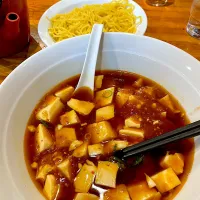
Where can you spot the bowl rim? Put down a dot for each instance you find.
(81, 37)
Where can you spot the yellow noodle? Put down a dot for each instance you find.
(117, 16)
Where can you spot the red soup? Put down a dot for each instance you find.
(69, 142)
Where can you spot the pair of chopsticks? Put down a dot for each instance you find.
(188, 131)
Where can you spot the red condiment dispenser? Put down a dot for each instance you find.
(14, 26)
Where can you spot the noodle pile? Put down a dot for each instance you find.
(117, 16)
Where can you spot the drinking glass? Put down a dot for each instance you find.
(193, 26)
(157, 2)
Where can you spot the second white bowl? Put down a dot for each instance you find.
(68, 5)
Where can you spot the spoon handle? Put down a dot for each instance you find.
(88, 71)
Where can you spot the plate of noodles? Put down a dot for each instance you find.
(67, 19)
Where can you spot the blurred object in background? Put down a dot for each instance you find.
(157, 2)
(14, 26)
(193, 26)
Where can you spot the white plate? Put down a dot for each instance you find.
(68, 5)
(177, 71)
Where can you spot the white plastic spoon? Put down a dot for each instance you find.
(88, 72)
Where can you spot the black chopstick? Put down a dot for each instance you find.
(165, 136)
(187, 131)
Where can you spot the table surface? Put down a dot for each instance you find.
(165, 23)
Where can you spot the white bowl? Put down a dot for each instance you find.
(177, 71)
(68, 5)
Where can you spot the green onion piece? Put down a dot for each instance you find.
(46, 124)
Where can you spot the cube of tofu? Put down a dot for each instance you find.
(148, 90)
(65, 136)
(166, 180)
(75, 144)
(138, 82)
(43, 139)
(81, 151)
(121, 98)
(43, 172)
(167, 102)
(157, 196)
(84, 124)
(65, 168)
(65, 94)
(106, 174)
(141, 191)
(86, 196)
(80, 165)
(100, 132)
(95, 150)
(175, 161)
(163, 114)
(31, 128)
(134, 99)
(81, 107)
(51, 187)
(50, 112)
(132, 122)
(133, 133)
(105, 113)
(104, 97)
(88, 162)
(114, 145)
(119, 193)
(58, 127)
(85, 178)
(69, 118)
(150, 182)
(98, 81)
(34, 165)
